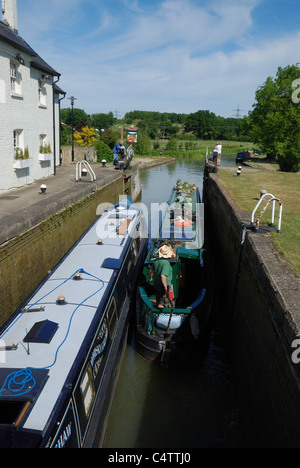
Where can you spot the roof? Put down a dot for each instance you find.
(11, 37)
(69, 322)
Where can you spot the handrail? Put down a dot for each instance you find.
(273, 200)
(88, 167)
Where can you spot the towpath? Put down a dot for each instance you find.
(24, 207)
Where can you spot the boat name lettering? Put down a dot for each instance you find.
(96, 368)
(98, 350)
(65, 436)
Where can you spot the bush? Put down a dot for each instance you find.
(171, 145)
(144, 145)
(103, 151)
(289, 159)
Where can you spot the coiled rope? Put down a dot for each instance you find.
(16, 382)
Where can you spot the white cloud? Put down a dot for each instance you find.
(178, 55)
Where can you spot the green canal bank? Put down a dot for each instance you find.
(37, 229)
(260, 310)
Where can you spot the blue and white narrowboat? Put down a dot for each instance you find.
(60, 353)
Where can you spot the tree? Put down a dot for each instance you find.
(143, 146)
(104, 121)
(81, 118)
(275, 119)
(86, 137)
(203, 123)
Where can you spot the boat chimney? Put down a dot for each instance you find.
(10, 14)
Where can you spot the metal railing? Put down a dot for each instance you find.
(88, 169)
(255, 223)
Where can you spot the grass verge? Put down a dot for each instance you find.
(245, 191)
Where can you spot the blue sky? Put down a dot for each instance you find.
(163, 55)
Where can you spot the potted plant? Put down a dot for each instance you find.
(45, 153)
(22, 159)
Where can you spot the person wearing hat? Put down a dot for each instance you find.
(163, 275)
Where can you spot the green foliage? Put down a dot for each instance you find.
(20, 154)
(81, 119)
(289, 159)
(171, 145)
(110, 137)
(45, 149)
(143, 145)
(208, 126)
(275, 119)
(102, 121)
(103, 151)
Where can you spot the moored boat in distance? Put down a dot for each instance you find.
(60, 353)
(173, 318)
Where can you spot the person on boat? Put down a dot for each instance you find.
(163, 275)
(117, 151)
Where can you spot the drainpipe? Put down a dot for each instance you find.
(54, 135)
(60, 157)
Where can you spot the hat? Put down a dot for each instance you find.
(165, 251)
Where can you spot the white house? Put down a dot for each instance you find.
(29, 108)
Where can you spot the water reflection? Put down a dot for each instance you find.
(190, 404)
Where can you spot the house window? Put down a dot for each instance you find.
(43, 141)
(15, 79)
(18, 142)
(42, 93)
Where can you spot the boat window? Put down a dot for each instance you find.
(112, 317)
(87, 390)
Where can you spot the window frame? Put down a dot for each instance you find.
(15, 79)
(18, 135)
(42, 93)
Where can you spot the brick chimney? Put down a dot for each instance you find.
(10, 13)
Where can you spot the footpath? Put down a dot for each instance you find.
(24, 207)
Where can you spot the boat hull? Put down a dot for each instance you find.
(192, 334)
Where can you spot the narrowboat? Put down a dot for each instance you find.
(182, 317)
(60, 353)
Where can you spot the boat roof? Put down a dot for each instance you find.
(189, 236)
(49, 340)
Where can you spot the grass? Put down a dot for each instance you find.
(245, 191)
(196, 148)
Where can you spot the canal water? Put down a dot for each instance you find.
(190, 404)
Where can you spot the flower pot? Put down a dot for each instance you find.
(45, 156)
(22, 163)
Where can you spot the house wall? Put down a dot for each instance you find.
(23, 112)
